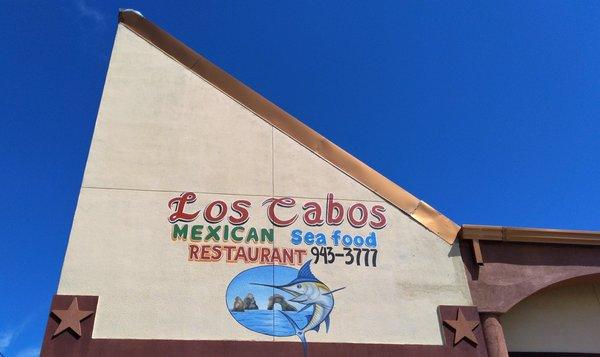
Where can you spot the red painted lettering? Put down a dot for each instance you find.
(241, 208)
(288, 256)
(178, 203)
(362, 212)
(276, 256)
(286, 202)
(240, 254)
(253, 258)
(264, 255)
(209, 215)
(205, 253)
(299, 254)
(228, 249)
(193, 252)
(217, 253)
(377, 212)
(313, 215)
(335, 211)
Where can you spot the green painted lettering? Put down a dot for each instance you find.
(180, 233)
(234, 235)
(196, 232)
(225, 233)
(266, 234)
(213, 233)
(252, 235)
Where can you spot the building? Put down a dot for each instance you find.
(211, 222)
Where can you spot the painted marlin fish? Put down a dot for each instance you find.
(306, 289)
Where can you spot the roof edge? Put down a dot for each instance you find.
(529, 235)
(420, 211)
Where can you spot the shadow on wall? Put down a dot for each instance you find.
(454, 249)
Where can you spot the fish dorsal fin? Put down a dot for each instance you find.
(305, 272)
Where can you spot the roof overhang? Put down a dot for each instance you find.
(479, 233)
(529, 235)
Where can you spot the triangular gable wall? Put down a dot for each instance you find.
(164, 129)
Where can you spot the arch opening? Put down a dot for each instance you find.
(561, 318)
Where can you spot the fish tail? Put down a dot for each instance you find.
(299, 332)
(304, 345)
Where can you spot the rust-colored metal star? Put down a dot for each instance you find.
(70, 318)
(462, 328)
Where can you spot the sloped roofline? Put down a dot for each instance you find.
(419, 210)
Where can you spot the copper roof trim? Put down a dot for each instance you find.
(286, 123)
(529, 235)
(434, 221)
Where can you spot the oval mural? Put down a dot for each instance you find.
(280, 301)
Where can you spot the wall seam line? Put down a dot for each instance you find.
(224, 193)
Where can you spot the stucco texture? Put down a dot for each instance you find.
(162, 130)
(562, 319)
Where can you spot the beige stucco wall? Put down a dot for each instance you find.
(161, 130)
(565, 319)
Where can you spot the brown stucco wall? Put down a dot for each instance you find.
(513, 271)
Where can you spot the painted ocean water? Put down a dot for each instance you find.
(271, 322)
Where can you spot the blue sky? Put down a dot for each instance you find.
(489, 111)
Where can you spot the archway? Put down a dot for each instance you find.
(561, 319)
(508, 268)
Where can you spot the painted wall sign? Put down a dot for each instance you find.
(216, 270)
(281, 301)
(274, 298)
(225, 236)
